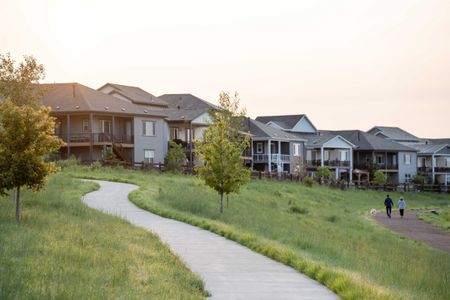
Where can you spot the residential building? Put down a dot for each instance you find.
(274, 150)
(90, 121)
(321, 148)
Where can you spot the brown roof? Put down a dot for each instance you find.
(135, 94)
(75, 97)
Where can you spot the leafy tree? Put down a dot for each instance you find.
(26, 137)
(323, 173)
(175, 157)
(222, 147)
(21, 84)
(379, 177)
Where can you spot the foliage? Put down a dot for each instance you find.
(308, 181)
(26, 137)
(70, 162)
(343, 185)
(221, 149)
(419, 179)
(175, 158)
(323, 172)
(95, 165)
(66, 250)
(336, 243)
(21, 83)
(108, 154)
(438, 217)
(379, 177)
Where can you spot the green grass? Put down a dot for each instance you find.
(438, 217)
(64, 250)
(324, 233)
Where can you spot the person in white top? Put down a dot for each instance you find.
(401, 206)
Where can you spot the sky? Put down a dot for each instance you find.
(345, 64)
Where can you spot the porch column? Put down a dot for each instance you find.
(113, 128)
(321, 157)
(432, 169)
(68, 136)
(251, 152)
(91, 144)
(279, 162)
(269, 156)
(190, 145)
(350, 166)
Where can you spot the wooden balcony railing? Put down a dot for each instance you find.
(263, 158)
(328, 163)
(96, 138)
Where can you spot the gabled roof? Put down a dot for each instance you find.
(314, 140)
(134, 94)
(438, 141)
(285, 121)
(370, 142)
(261, 130)
(429, 148)
(75, 97)
(394, 133)
(187, 101)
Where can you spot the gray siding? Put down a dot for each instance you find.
(404, 169)
(158, 143)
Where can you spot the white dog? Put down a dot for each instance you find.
(373, 212)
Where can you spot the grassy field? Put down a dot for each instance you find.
(325, 233)
(64, 250)
(439, 217)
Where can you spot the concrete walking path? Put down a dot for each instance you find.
(229, 270)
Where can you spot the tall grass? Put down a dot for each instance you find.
(325, 233)
(64, 250)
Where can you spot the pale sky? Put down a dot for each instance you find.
(346, 64)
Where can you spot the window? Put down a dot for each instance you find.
(149, 128)
(259, 148)
(85, 126)
(379, 159)
(447, 162)
(344, 155)
(407, 159)
(174, 133)
(106, 126)
(326, 155)
(308, 155)
(297, 149)
(149, 156)
(273, 148)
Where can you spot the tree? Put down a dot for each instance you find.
(26, 137)
(175, 157)
(323, 173)
(379, 177)
(21, 84)
(222, 147)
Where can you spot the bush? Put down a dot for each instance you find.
(175, 158)
(108, 154)
(95, 165)
(323, 173)
(419, 179)
(70, 162)
(308, 181)
(379, 177)
(343, 185)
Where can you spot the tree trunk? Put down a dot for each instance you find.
(221, 203)
(18, 205)
(227, 200)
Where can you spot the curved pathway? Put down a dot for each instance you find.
(416, 229)
(229, 270)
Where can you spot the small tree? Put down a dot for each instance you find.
(222, 147)
(26, 137)
(323, 173)
(175, 157)
(21, 84)
(379, 177)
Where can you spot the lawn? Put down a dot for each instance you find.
(439, 217)
(64, 250)
(326, 233)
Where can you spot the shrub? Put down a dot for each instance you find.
(379, 177)
(175, 157)
(419, 179)
(108, 154)
(95, 165)
(70, 162)
(343, 185)
(323, 173)
(308, 181)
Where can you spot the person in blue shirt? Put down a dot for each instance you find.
(388, 203)
(401, 206)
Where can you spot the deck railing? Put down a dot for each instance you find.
(263, 158)
(96, 138)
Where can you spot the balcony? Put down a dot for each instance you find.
(84, 139)
(328, 163)
(275, 158)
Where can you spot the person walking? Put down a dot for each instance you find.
(388, 203)
(401, 206)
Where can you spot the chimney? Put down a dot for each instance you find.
(73, 90)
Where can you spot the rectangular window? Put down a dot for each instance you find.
(344, 155)
(174, 133)
(379, 159)
(326, 155)
(308, 155)
(259, 148)
(85, 126)
(149, 156)
(407, 159)
(149, 128)
(106, 126)
(272, 148)
(297, 149)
